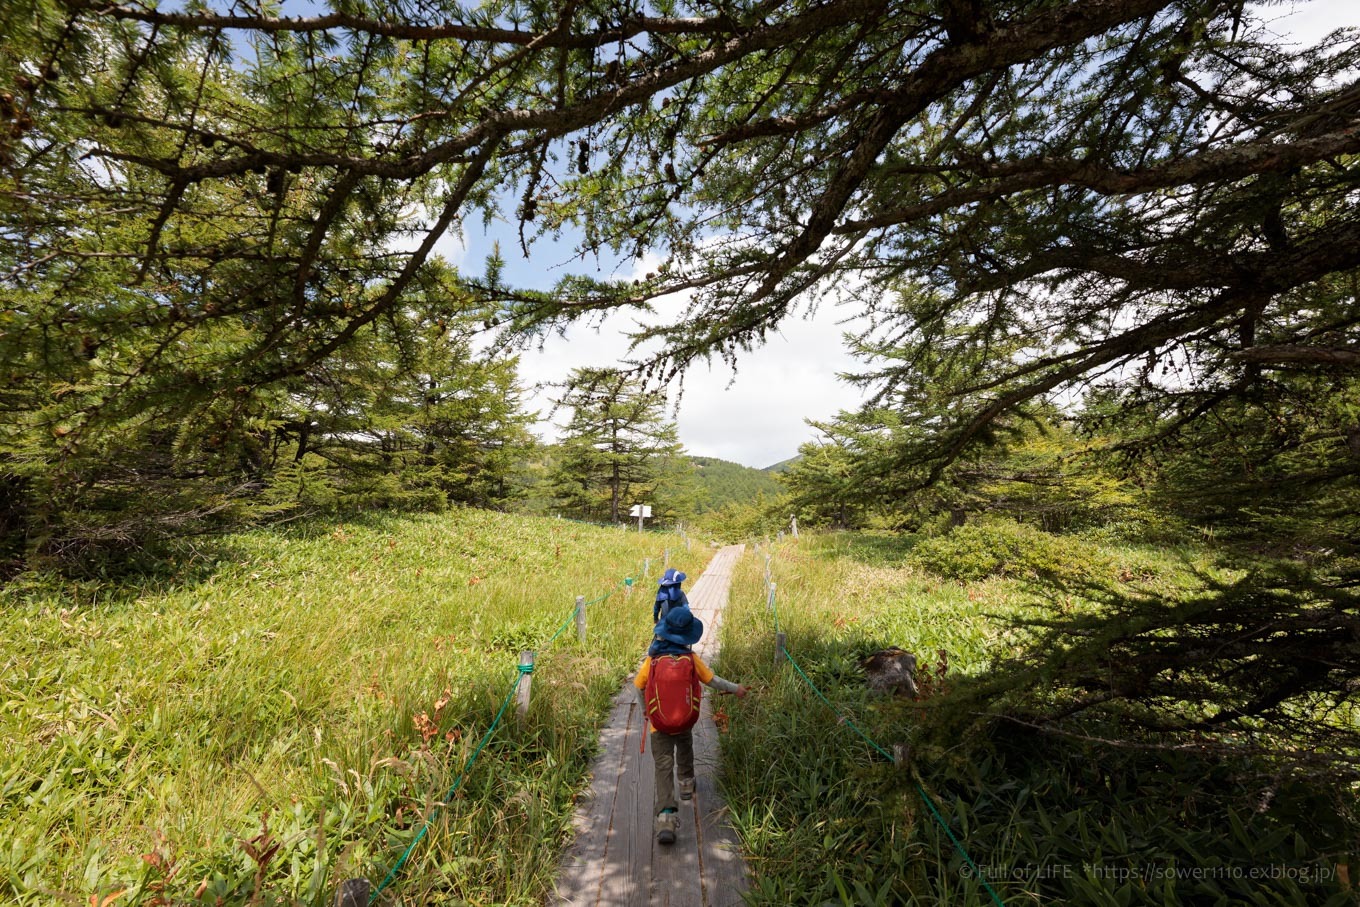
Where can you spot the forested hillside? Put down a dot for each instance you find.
(723, 482)
(782, 466)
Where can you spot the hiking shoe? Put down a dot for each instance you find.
(686, 788)
(665, 828)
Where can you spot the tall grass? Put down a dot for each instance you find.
(826, 818)
(291, 712)
(823, 816)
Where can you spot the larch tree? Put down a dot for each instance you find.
(1026, 198)
(405, 414)
(1063, 188)
(618, 450)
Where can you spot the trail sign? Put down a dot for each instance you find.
(641, 511)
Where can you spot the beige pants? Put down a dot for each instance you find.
(673, 755)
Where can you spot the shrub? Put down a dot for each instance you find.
(1004, 548)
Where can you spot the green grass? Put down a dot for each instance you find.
(311, 695)
(826, 818)
(290, 711)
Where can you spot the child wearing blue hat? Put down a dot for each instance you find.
(668, 593)
(668, 684)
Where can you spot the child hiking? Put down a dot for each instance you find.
(668, 593)
(668, 684)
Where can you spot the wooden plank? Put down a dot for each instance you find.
(722, 869)
(675, 868)
(615, 859)
(578, 882)
(626, 862)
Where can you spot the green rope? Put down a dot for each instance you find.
(977, 873)
(560, 630)
(838, 713)
(486, 738)
(522, 670)
(930, 804)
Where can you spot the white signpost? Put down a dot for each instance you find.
(641, 511)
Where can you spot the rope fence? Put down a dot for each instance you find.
(356, 892)
(782, 654)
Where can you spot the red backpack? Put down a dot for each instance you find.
(673, 693)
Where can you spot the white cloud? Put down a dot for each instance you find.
(451, 245)
(1303, 23)
(756, 417)
(761, 418)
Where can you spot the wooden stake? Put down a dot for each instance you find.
(581, 618)
(525, 682)
(779, 653)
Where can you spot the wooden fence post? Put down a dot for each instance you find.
(779, 653)
(525, 682)
(646, 567)
(581, 618)
(769, 601)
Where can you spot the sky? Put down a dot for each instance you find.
(756, 416)
(759, 415)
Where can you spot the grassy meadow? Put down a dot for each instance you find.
(292, 708)
(287, 712)
(826, 818)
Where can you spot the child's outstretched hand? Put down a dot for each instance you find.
(742, 690)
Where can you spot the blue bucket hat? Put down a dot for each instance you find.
(680, 626)
(671, 577)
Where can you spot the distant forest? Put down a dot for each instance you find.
(724, 482)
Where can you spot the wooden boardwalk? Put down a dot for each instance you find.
(615, 859)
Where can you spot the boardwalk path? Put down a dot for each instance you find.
(615, 859)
